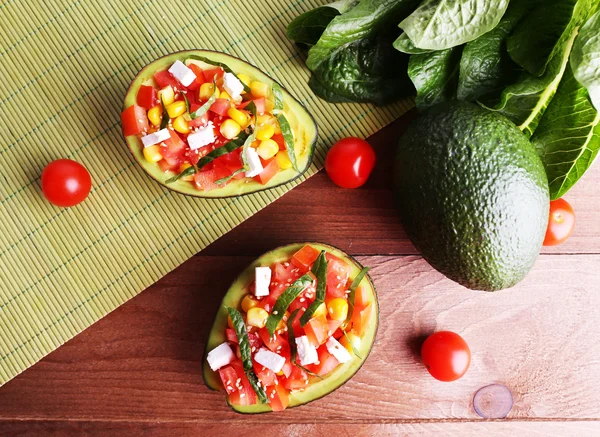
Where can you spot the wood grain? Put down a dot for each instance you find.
(143, 360)
(182, 429)
(364, 221)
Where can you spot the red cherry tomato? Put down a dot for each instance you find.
(66, 182)
(446, 356)
(560, 224)
(350, 162)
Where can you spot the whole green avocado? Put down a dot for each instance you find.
(472, 195)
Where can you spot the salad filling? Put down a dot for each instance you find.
(298, 321)
(203, 124)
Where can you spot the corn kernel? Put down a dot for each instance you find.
(230, 129)
(321, 311)
(350, 341)
(184, 166)
(152, 153)
(181, 125)
(269, 105)
(283, 160)
(257, 317)
(245, 79)
(155, 115)
(259, 89)
(265, 131)
(206, 90)
(264, 119)
(267, 149)
(175, 109)
(239, 117)
(337, 308)
(249, 302)
(224, 95)
(166, 95)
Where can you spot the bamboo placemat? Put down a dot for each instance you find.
(64, 69)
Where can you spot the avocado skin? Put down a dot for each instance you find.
(472, 195)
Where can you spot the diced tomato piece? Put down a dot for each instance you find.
(278, 397)
(231, 335)
(147, 96)
(164, 78)
(199, 77)
(317, 330)
(205, 180)
(278, 138)
(277, 343)
(298, 329)
(228, 377)
(198, 121)
(165, 166)
(209, 74)
(327, 362)
(260, 105)
(305, 257)
(338, 272)
(134, 120)
(287, 368)
(220, 107)
(299, 303)
(362, 298)
(270, 169)
(298, 379)
(361, 319)
(285, 273)
(265, 376)
(333, 325)
(174, 150)
(249, 395)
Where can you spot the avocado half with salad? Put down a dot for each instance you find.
(296, 324)
(208, 124)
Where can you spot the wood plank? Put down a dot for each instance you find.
(142, 362)
(364, 221)
(150, 429)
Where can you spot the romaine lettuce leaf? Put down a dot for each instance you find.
(585, 58)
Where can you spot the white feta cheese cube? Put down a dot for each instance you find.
(232, 85)
(182, 73)
(338, 351)
(156, 137)
(220, 356)
(306, 351)
(202, 137)
(262, 281)
(269, 359)
(254, 163)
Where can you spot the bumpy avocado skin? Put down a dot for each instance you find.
(472, 195)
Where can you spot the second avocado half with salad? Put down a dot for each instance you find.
(207, 124)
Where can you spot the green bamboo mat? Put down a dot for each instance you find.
(64, 70)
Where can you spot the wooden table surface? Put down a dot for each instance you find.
(138, 370)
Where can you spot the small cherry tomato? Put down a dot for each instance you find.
(560, 224)
(446, 356)
(350, 162)
(66, 182)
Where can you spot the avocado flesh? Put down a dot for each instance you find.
(302, 123)
(472, 195)
(316, 388)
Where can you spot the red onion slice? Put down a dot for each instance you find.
(493, 401)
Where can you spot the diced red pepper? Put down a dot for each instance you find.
(361, 319)
(228, 377)
(265, 376)
(278, 138)
(147, 96)
(270, 169)
(317, 330)
(298, 379)
(134, 120)
(210, 74)
(200, 79)
(305, 257)
(327, 362)
(278, 397)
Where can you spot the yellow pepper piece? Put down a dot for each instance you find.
(155, 115)
(267, 149)
(166, 95)
(351, 340)
(181, 125)
(283, 160)
(245, 79)
(152, 153)
(259, 89)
